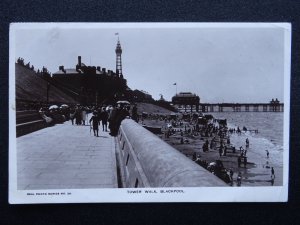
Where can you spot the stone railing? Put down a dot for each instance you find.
(145, 160)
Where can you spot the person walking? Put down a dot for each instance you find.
(247, 143)
(239, 179)
(72, 115)
(112, 120)
(95, 123)
(83, 115)
(241, 149)
(104, 118)
(272, 172)
(78, 116)
(267, 153)
(272, 176)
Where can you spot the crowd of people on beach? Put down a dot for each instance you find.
(216, 137)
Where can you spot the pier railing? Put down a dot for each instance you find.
(144, 160)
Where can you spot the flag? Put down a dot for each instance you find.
(174, 84)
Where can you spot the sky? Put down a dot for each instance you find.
(231, 64)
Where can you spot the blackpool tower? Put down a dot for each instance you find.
(119, 58)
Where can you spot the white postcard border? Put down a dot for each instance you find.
(201, 194)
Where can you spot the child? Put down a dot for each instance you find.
(95, 120)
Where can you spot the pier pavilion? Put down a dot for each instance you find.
(186, 100)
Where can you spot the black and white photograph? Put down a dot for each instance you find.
(149, 112)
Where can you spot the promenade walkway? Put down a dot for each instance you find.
(66, 156)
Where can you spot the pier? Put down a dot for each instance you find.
(187, 101)
(242, 107)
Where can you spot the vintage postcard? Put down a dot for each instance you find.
(149, 112)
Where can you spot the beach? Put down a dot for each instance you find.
(256, 172)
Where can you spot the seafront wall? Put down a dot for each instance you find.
(144, 160)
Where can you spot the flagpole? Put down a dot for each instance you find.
(175, 87)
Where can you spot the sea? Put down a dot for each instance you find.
(269, 138)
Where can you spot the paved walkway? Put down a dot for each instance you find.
(66, 156)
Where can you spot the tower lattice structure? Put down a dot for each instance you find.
(119, 58)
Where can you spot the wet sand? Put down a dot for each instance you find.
(257, 171)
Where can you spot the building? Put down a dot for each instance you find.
(186, 101)
(275, 106)
(94, 85)
(141, 96)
